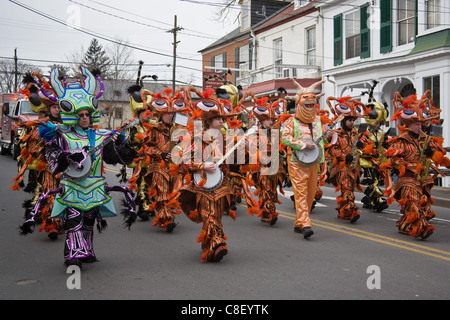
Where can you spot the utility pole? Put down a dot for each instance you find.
(15, 70)
(174, 31)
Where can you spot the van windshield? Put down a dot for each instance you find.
(26, 108)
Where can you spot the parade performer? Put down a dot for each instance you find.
(201, 202)
(77, 151)
(266, 182)
(156, 153)
(373, 153)
(413, 155)
(32, 156)
(345, 151)
(232, 94)
(298, 133)
(136, 135)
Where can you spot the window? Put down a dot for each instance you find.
(364, 31)
(352, 35)
(311, 47)
(299, 3)
(219, 61)
(385, 26)
(245, 15)
(244, 60)
(433, 84)
(406, 21)
(433, 12)
(118, 113)
(278, 57)
(337, 35)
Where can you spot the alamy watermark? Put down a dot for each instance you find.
(374, 280)
(73, 20)
(254, 149)
(74, 280)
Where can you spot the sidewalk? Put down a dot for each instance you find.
(441, 196)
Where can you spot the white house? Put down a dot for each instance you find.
(403, 44)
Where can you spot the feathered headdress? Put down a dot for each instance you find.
(264, 110)
(346, 106)
(38, 91)
(411, 110)
(165, 102)
(210, 106)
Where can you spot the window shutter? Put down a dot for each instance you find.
(224, 61)
(236, 64)
(364, 31)
(385, 26)
(337, 22)
(250, 55)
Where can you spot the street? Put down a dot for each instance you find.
(368, 260)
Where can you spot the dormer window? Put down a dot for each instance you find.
(245, 15)
(300, 3)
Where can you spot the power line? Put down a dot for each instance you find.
(139, 22)
(91, 33)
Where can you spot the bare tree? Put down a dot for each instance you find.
(74, 59)
(7, 74)
(121, 59)
(224, 11)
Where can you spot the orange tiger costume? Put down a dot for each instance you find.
(345, 151)
(412, 155)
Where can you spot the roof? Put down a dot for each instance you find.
(236, 33)
(285, 14)
(432, 41)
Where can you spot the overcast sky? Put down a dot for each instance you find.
(141, 23)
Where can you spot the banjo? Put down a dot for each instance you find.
(214, 180)
(77, 171)
(313, 156)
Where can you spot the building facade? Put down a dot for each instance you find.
(402, 44)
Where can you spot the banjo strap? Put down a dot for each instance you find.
(310, 126)
(91, 136)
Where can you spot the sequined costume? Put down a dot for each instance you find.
(155, 152)
(199, 204)
(345, 151)
(80, 201)
(270, 174)
(414, 155)
(32, 156)
(375, 141)
(136, 135)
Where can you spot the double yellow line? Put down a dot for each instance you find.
(436, 253)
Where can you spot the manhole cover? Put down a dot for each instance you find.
(26, 282)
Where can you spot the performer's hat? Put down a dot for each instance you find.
(210, 106)
(38, 91)
(346, 106)
(411, 110)
(136, 103)
(165, 102)
(76, 96)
